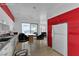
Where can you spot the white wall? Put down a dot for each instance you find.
(19, 21)
(60, 8)
(43, 21)
(27, 13)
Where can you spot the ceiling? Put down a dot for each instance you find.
(33, 10)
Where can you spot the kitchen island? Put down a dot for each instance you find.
(7, 48)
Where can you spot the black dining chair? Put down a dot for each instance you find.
(36, 34)
(44, 34)
(23, 38)
(40, 37)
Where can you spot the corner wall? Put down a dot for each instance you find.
(72, 18)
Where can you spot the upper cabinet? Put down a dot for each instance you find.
(6, 17)
(3, 17)
(7, 10)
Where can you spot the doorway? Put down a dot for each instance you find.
(59, 38)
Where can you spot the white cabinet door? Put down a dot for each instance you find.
(59, 38)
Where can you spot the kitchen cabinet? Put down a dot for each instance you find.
(4, 28)
(5, 19)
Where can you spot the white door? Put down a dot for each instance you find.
(59, 38)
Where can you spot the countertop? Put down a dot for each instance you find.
(3, 44)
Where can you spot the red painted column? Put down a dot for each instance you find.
(49, 35)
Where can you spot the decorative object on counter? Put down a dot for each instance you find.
(31, 36)
(30, 39)
(11, 33)
(15, 33)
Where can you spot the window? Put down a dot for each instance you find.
(33, 28)
(28, 28)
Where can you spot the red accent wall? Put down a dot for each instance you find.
(7, 10)
(72, 18)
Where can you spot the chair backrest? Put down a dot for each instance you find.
(43, 34)
(36, 33)
(22, 37)
(40, 37)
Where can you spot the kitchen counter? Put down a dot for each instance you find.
(3, 44)
(8, 46)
